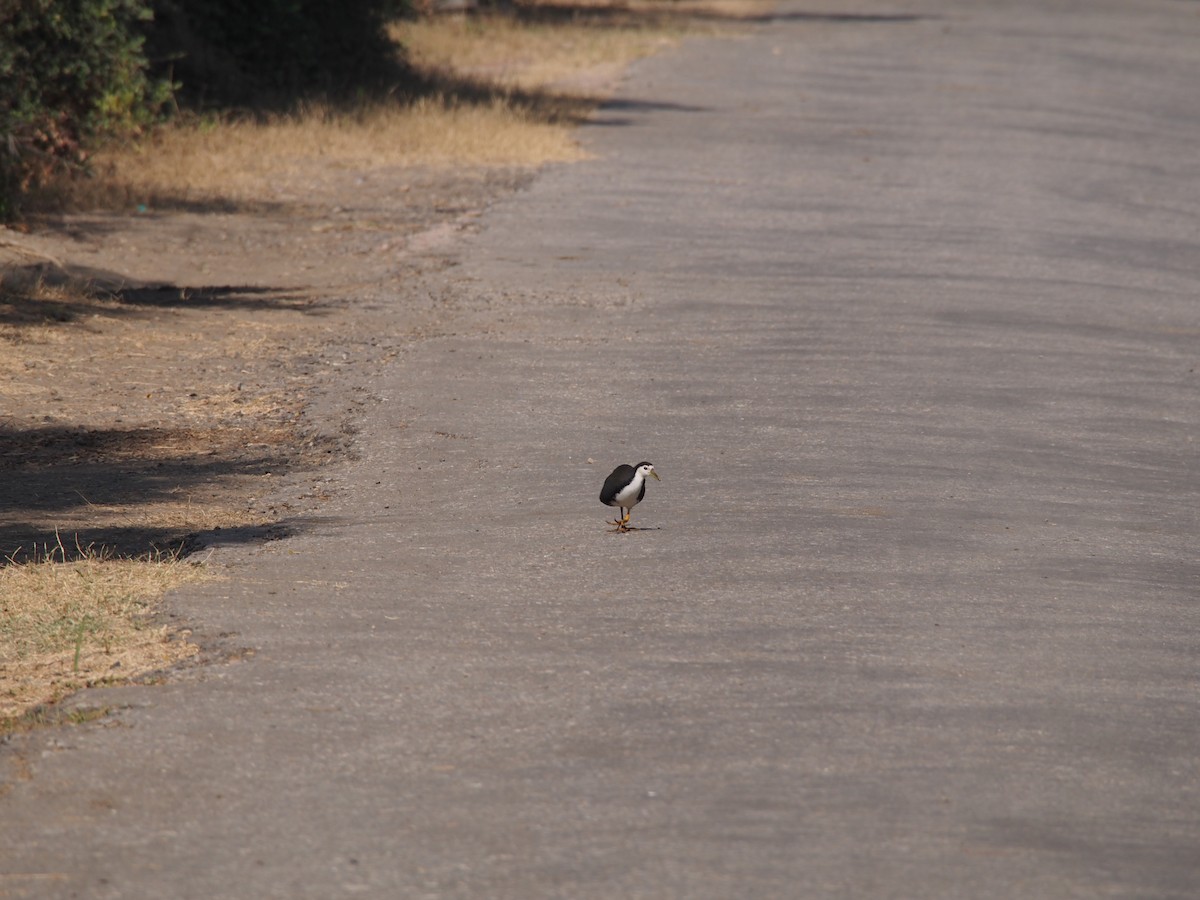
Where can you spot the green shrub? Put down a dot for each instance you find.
(73, 72)
(70, 71)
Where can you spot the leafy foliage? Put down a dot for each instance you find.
(73, 72)
(70, 71)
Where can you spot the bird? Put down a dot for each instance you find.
(625, 488)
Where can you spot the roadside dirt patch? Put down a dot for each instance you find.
(162, 373)
(157, 370)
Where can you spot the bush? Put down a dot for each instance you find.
(70, 71)
(73, 72)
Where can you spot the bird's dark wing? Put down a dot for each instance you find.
(620, 477)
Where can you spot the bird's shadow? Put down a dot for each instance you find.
(629, 528)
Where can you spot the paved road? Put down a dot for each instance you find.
(904, 303)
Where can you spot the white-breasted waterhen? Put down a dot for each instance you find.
(624, 489)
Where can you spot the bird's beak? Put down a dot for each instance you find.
(654, 475)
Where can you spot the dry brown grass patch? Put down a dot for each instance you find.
(138, 457)
(522, 54)
(72, 611)
(67, 625)
(246, 160)
(492, 89)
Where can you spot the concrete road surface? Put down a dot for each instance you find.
(902, 298)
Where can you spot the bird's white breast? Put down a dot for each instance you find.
(628, 495)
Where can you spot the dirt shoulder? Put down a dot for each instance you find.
(217, 351)
(161, 369)
(179, 376)
(175, 379)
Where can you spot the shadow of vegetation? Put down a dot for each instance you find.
(224, 297)
(837, 18)
(20, 545)
(553, 107)
(96, 479)
(402, 83)
(47, 205)
(56, 468)
(45, 294)
(543, 106)
(609, 113)
(396, 80)
(624, 17)
(251, 535)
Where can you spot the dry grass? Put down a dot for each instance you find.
(494, 90)
(525, 55)
(144, 462)
(574, 49)
(65, 625)
(139, 474)
(250, 160)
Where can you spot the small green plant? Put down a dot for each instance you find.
(64, 621)
(78, 646)
(48, 715)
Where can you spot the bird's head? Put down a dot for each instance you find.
(647, 471)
